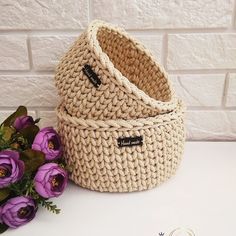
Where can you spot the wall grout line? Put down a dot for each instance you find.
(38, 108)
(36, 113)
(90, 17)
(189, 139)
(20, 73)
(164, 50)
(41, 32)
(30, 57)
(45, 32)
(171, 72)
(202, 71)
(210, 108)
(183, 31)
(234, 16)
(225, 90)
(189, 108)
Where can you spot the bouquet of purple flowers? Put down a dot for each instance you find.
(31, 169)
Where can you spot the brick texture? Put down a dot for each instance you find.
(201, 51)
(14, 54)
(28, 90)
(165, 14)
(43, 14)
(231, 93)
(47, 50)
(194, 40)
(200, 90)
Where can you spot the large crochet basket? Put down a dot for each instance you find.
(107, 74)
(122, 155)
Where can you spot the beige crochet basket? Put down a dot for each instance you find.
(122, 155)
(107, 74)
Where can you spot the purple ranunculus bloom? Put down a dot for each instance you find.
(18, 211)
(11, 167)
(22, 122)
(48, 141)
(50, 180)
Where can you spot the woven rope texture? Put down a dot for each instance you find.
(131, 83)
(121, 124)
(98, 163)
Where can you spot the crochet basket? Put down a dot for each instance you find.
(122, 155)
(107, 75)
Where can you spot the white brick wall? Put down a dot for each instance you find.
(194, 40)
(201, 51)
(14, 55)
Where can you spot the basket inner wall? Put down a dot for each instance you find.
(134, 64)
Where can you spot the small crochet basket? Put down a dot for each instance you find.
(122, 155)
(107, 75)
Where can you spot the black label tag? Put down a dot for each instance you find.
(91, 75)
(130, 141)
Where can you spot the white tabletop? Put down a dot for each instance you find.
(201, 196)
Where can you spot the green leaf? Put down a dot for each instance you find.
(20, 187)
(3, 228)
(32, 159)
(4, 193)
(37, 120)
(21, 111)
(29, 133)
(7, 132)
(49, 206)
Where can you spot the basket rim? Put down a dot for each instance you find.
(174, 115)
(92, 30)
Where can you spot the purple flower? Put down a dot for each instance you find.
(50, 180)
(11, 167)
(17, 211)
(22, 122)
(48, 141)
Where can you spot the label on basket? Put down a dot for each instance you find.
(130, 141)
(92, 76)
